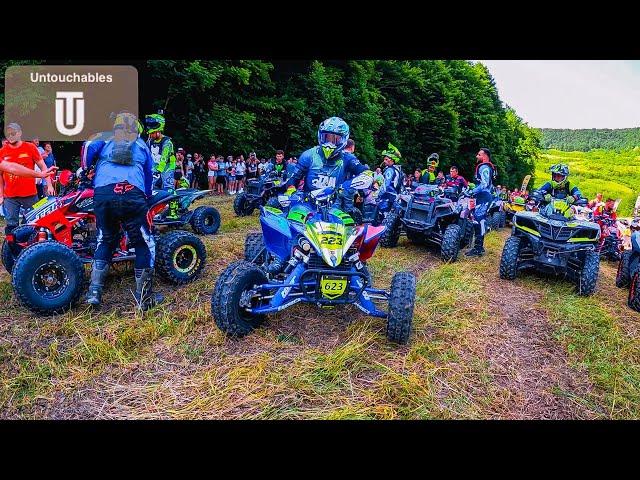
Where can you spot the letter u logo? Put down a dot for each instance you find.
(69, 111)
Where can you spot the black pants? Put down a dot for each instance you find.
(123, 204)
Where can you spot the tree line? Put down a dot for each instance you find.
(422, 106)
(583, 140)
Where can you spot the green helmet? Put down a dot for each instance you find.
(393, 153)
(559, 174)
(433, 159)
(518, 201)
(154, 122)
(472, 185)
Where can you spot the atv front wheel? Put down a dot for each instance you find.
(509, 259)
(503, 219)
(233, 287)
(48, 278)
(401, 303)
(495, 221)
(205, 220)
(254, 246)
(25, 233)
(623, 276)
(451, 243)
(180, 257)
(466, 232)
(391, 234)
(588, 277)
(242, 206)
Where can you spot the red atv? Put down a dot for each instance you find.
(610, 246)
(46, 255)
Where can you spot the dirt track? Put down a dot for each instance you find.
(501, 360)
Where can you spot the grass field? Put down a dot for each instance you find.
(615, 174)
(481, 348)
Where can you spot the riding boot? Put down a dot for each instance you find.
(99, 272)
(145, 297)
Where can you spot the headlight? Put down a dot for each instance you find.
(304, 245)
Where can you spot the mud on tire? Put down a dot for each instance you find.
(401, 304)
(588, 277)
(237, 278)
(205, 220)
(466, 232)
(24, 233)
(180, 257)
(391, 234)
(509, 259)
(48, 278)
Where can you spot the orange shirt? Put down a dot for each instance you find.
(27, 155)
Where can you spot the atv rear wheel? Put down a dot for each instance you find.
(180, 257)
(254, 245)
(510, 257)
(451, 243)
(391, 234)
(25, 233)
(623, 276)
(401, 304)
(48, 278)
(588, 277)
(634, 292)
(205, 220)
(242, 206)
(503, 219)
(232, 287)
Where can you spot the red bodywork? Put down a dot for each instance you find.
(75, 209)
(368, 239)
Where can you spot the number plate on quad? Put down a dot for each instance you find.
(332, 287)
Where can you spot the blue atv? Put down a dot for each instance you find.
(315, 253)
(628, 274)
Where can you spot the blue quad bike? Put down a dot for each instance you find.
(314, 253)
(628, 275)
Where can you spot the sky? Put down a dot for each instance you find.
(570, 93)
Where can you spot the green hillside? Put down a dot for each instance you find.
(590, 138)
(614, 174)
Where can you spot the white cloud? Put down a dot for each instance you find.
(570, 93)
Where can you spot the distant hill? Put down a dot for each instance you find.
(614, 174)
(589, 139)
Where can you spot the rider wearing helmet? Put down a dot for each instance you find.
(429, 174)
(393, 176)
(558, 187)
(122, 185)
(327, 164)
(164, 157)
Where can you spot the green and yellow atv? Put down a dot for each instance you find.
(553, 241)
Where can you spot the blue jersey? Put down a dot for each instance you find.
(319, 173)
(139, 174)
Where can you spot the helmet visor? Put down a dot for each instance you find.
(332, 138)
(558, 177)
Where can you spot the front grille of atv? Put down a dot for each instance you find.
(316, 261)
(253, 188)
(561, 234)
(420, 214)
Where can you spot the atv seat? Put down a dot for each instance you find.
(160, 196)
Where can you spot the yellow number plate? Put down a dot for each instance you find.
(331, 241)
(332, 287)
